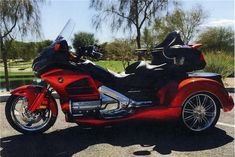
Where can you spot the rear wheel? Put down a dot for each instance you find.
(200, 112)
(24, 121)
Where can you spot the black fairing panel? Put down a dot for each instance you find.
(50, 59)
(172, 38)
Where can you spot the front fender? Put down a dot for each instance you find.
(29, 91)
(37, 97)
(190, 86)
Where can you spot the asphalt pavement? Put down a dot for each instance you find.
(135, 139)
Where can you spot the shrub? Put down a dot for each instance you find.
(219, 62)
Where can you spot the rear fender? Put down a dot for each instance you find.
(177, 96)
(37, 98)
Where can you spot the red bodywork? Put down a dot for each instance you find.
(172, 96)
(37, 98)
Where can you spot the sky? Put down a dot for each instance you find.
(55, 13)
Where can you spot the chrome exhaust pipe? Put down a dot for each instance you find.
(122, 99)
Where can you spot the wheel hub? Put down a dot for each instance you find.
(28, 116)
(199, 112)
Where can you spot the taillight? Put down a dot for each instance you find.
(195, 46)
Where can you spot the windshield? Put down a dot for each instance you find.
(66, 31)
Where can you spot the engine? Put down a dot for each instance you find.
(111, 104)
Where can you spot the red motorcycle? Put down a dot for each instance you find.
(166, 89)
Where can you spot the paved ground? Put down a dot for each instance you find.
(153, 139)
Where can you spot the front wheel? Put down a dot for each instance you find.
(200, 112)
(24, 121)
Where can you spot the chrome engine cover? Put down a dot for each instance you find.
(111, 104)
(77, 107)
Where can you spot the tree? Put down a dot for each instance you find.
(217, 39)
(19, 17)
(42, 44)
(83, 39)
(120, 49)
(25, 50)
(148, 38)
(127, 14)
(186, 22)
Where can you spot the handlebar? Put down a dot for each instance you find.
(90, 51)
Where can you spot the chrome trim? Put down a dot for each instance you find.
(85, 105)
(123, 100)
(142, 103)
(105, 99)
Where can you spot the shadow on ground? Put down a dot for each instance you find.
(72, 140)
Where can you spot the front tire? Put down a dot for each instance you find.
(200, 112)
(23, 120)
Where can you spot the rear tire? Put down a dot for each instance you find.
(200, 112)
(24, 121)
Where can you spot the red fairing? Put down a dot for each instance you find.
(60, 79)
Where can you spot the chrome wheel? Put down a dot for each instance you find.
(199, 112)
(27, 120)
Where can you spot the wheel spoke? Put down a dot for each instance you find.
(44, 116)
(210, 114)
(189, 117)
(194, 122)
(188, 110)
(205, 120)
(209, 106)
(200, 120)
(204, 101)
(198, 100)
(191, 104)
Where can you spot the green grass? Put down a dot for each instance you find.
(18, 64)
(16, 79)
(10, 73)
(26, 64)
(220, 63)
(112, 65)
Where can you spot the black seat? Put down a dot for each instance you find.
(144, 68)
(144, 76)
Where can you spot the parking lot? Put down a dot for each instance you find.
(149, 139)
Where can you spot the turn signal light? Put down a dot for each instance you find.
(57, 47)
